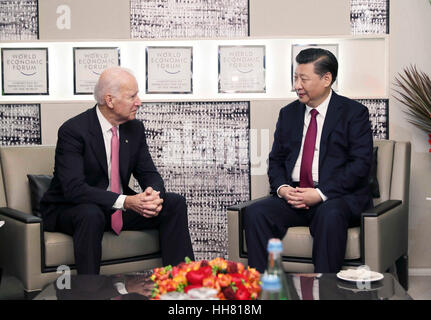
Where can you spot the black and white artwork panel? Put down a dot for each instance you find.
(201, 149)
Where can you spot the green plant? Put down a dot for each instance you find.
(414, 90)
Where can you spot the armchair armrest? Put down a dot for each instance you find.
(381, 208)
(384, 234)
(241, 206)
(19, 215)
(20, 244)
(235, 233)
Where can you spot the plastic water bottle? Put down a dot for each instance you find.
(275, 266)
(271, 287)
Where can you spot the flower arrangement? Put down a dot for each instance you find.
(414, 90)
(231, 279)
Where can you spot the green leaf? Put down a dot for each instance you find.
(413, 88)
(180, 287)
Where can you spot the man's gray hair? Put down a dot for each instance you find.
(109, 84)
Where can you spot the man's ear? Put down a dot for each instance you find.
(327, 77)
(108, 101)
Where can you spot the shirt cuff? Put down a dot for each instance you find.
(121, 287)
(324, 198)
(283, 185)
(119, 204)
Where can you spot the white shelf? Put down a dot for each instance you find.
(363, 71)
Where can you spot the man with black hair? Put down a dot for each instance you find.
(318, 167)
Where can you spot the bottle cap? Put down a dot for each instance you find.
(274, 245)
(271, 282)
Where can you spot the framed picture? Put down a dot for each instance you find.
(369, 17)
(20, 124)
(88, 65)
(189, 19)
(297, 48)
(24, 71)
(241, 69)
(379, 116)
(169, 69)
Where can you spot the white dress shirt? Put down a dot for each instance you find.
(320, 119)
(107, 135)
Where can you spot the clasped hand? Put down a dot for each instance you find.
(300, 198)
(147, 203)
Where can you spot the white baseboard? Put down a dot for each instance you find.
(419, 271)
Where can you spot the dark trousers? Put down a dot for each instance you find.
(328, 222)
(86, 223)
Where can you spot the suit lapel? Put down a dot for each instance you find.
(331, 119)
(296, 122)
(298, 128)
(97, 143)
(124, 152)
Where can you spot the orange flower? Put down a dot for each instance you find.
(220, 263)
(209, 282)
(224, 279)
(240, 267)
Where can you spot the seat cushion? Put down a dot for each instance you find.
(298, 243)
(59, 246)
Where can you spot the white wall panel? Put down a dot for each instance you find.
(363, 67)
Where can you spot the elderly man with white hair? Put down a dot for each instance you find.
(96, 153)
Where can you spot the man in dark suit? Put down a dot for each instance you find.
(318, 167)
(96, 153)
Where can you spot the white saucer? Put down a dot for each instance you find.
(352, 275)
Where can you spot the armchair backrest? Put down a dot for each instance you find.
(393, 170)
(385, 158)
(16, 162)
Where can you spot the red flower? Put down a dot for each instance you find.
(242, 293)
(228, 293)
(237, 279)
(207, 271)
(232, 267)
(195, 276)
(204, 263)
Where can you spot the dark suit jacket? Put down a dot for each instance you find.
(81, 169)
(346, 149)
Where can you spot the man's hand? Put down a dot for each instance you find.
(310, 197)
(300, 198)
(292, 197)
(147, 203)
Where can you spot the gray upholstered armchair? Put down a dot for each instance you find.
(381, 241)
(32, 255)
